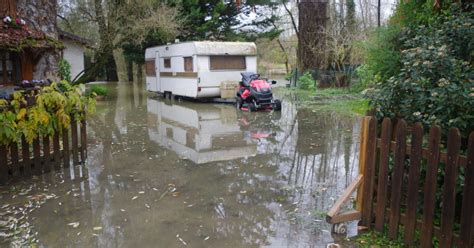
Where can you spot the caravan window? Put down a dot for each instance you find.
(188, 63)
(167, 63)
(150, 68)
(228, 62)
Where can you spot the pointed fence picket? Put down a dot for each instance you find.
(44, 154)
(410, 189)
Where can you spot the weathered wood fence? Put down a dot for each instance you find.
(44, 154)
(417, 190)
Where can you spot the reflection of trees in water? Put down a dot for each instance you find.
(234, 202)
(325, 151)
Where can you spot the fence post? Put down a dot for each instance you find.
(25, 154)
(83, 140)
(430, 186)
(66, 158)
(467, 216)
(74, 140)
(56, 150)
(413, 182)
(3, 164)
(362, 158)
(37, 156)
(46, 154)
(449, 188)
(15, 167)
(369, 171)
(397, 179)
(382, 187)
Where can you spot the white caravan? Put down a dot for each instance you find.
(198, 69)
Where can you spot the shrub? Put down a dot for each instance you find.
(307, 82)
(435, 84)
(51, 112)
(64, 70)
(99, 90)
(382, 55)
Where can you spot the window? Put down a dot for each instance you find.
(188, 63)
(10, 71)
(150, 68)
(167, 63)
(227, 62)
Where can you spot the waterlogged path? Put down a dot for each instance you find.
(187, 174)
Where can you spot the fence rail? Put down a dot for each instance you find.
(426, 189)
(22, 159)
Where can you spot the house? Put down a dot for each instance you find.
(29, 40)
(74, 48)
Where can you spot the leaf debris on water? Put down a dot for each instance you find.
(73, 224)
(97, 228)
(181, 240)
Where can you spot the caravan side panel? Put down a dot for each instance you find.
(176, 80)
(210, 80)
(150, 67)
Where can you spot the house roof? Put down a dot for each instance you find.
(75, 38)
(21, 38)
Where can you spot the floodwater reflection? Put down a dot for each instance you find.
(170, 174)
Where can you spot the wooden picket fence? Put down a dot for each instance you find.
(397, 187)
(44, 154)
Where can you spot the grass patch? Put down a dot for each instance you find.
(339, 100)
(372, 239)
(98, 90)
(354, 106)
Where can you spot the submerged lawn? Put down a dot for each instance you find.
(337, 100)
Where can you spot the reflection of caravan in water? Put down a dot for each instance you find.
(201, 133)
(198, 69)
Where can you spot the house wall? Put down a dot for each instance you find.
(41, 15)
(74, 54)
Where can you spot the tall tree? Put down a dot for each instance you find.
(312, 23)
(119, 22)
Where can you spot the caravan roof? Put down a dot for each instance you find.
(216, 47)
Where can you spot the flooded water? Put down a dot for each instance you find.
(164, 173)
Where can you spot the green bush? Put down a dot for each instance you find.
(64, 70)
(435, 84)
(307, 82)
(99, 90)
(382, 55)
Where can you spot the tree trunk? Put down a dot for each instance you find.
(121, 65)
(311, 43)
(379, 3)
(286, 56)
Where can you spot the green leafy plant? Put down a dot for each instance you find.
(435, 84)
(52, 111)
(307, 82)
(99, 90)
(64, 70)
(382, 56)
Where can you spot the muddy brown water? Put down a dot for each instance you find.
(166, 173)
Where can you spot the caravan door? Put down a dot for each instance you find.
(157, 68)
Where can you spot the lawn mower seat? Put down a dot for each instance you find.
(247, 77)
